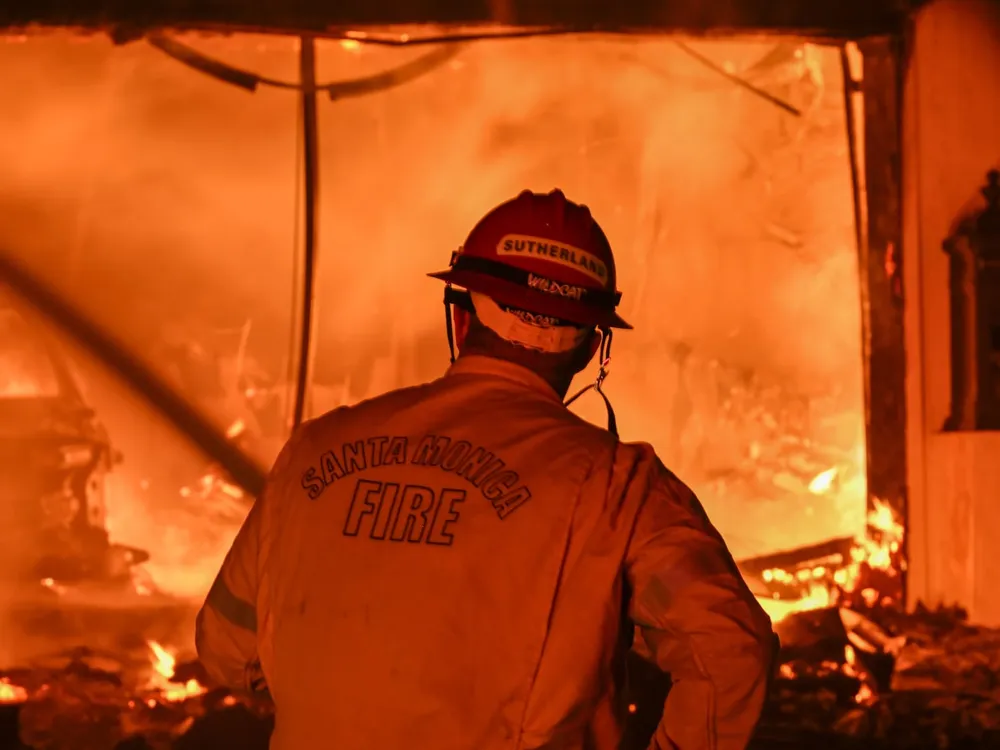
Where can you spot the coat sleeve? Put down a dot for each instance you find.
(226, 632)
(226, 629)
(698, 619)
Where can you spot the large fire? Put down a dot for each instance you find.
(745, 366)
(763, 417)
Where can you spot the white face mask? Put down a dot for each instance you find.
(537, 336)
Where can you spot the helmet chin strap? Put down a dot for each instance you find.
(451, 297)
(454, 297)
(598, 384)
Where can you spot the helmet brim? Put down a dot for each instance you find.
(533, 300)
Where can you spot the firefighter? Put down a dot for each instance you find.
(460, 565)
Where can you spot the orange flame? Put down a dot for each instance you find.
(878, 552)
(865, 695)
(164, 664)
(236, 429)
(823, 481)
(11, 693)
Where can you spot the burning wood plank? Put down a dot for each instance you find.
(850, 571)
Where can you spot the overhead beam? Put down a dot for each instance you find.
(128, 19)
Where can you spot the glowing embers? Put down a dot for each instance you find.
(210, 484)
(87, 698)
(865, 695)
(823, 481)
(238, 427)
(840, 651)
(11, 693)
(856, 575)
(163, 681)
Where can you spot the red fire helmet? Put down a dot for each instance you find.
(543, 254)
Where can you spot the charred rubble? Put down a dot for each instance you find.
(855, 671)
(876, 679)
(55, 454)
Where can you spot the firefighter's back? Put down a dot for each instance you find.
(415, 555)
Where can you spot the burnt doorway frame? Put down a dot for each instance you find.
(880, 262)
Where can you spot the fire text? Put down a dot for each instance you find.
(412, 513)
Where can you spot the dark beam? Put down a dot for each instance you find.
(821, 18)
(135, 373)
(795, 559)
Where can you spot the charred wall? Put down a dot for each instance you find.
(951, 127)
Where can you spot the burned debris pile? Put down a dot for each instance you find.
(855, 672)
(91, 701)
(881, 680)
(877, 680)
(886, 680)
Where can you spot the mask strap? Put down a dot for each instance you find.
(598, 384)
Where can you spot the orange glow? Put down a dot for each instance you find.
(865, 695)
(731, 219)
(236, 429)
(818, 598)
(823, 481)
(164, 663)
(11, 693)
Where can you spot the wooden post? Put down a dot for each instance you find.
(882, 286)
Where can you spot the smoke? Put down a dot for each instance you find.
(163, 202)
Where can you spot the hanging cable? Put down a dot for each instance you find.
(850, 110)
(293, 324)
(250, 81)
(310, 187)
(308, 165)
(742, 83)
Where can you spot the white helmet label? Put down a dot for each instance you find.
(553, 252)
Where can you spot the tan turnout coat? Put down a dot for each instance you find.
(446, 567)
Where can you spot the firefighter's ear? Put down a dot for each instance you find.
(461, 318)
(596, 337)
(587, 351)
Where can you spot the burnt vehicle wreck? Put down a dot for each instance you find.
(56, 456)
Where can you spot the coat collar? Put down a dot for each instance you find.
(475, 364)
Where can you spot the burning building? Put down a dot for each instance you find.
(778, 193)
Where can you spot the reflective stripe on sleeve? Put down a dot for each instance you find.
(240, 613)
